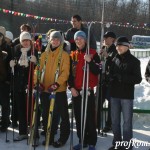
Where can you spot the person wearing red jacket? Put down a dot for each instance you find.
(75, 85)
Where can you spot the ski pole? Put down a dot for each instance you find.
(71, 135)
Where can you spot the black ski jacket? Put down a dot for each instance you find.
(111, 51)
(21, 73)
(125, 72)
(147, 72)
(5, 57)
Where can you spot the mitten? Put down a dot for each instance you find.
(53, 87)
(12, 63)
(33, 59)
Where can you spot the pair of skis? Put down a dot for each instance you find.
(34, 112)
(85, 92)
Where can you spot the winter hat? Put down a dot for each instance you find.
(110, 34)
(9, 35)
(123, 41)
(25, 36)
(3, 30)
(56, 34)
(80, 34)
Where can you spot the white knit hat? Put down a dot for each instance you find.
(3, 30)
(9, 35)
(25, 36)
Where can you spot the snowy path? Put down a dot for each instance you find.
(142, 135)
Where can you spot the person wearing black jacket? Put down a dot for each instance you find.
(108, 51)
(5, 56)
(77, 25)
(147, 72)
(125, 72)
(75, 85)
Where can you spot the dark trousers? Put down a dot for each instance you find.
(106, 95)
(5, 103)
(24, 114)
(14, 113)
(90, 136)
(21, 105)
(60, 109)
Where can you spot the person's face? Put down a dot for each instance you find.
(7, 40)
(55, 42)
(80, 42)
(121, 49)
(108, 41)
(26, 43)
(75, 23)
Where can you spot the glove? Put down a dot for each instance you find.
(33, 59)
(5, 54)
(12, 63)
(53, 87)
(41, 87)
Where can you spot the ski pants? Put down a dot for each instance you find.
(90, 136)
(21, 104)
(5, 103)
(60, 110)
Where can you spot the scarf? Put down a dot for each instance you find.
(23, 61)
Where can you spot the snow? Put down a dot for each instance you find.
(141, 123)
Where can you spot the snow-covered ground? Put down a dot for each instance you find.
(141, 124)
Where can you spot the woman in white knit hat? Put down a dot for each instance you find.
(24, 56)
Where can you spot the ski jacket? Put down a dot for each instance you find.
(125, 72)
(78, 62)
(147, 72)
(5, 57)
(21, 73)
(70, 37)
(50, 58)
(2, 68)
(111, 51)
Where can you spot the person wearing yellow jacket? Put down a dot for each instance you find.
(53, 58)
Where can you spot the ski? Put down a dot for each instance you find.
(50, 117)
(85, 92)
(34, 112)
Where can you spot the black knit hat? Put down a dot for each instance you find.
(123, 41)
(110, 34)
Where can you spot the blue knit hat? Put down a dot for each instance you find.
(80, 34)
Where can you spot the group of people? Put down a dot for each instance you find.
(60, 69)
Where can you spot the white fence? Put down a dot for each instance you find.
(140, 53)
